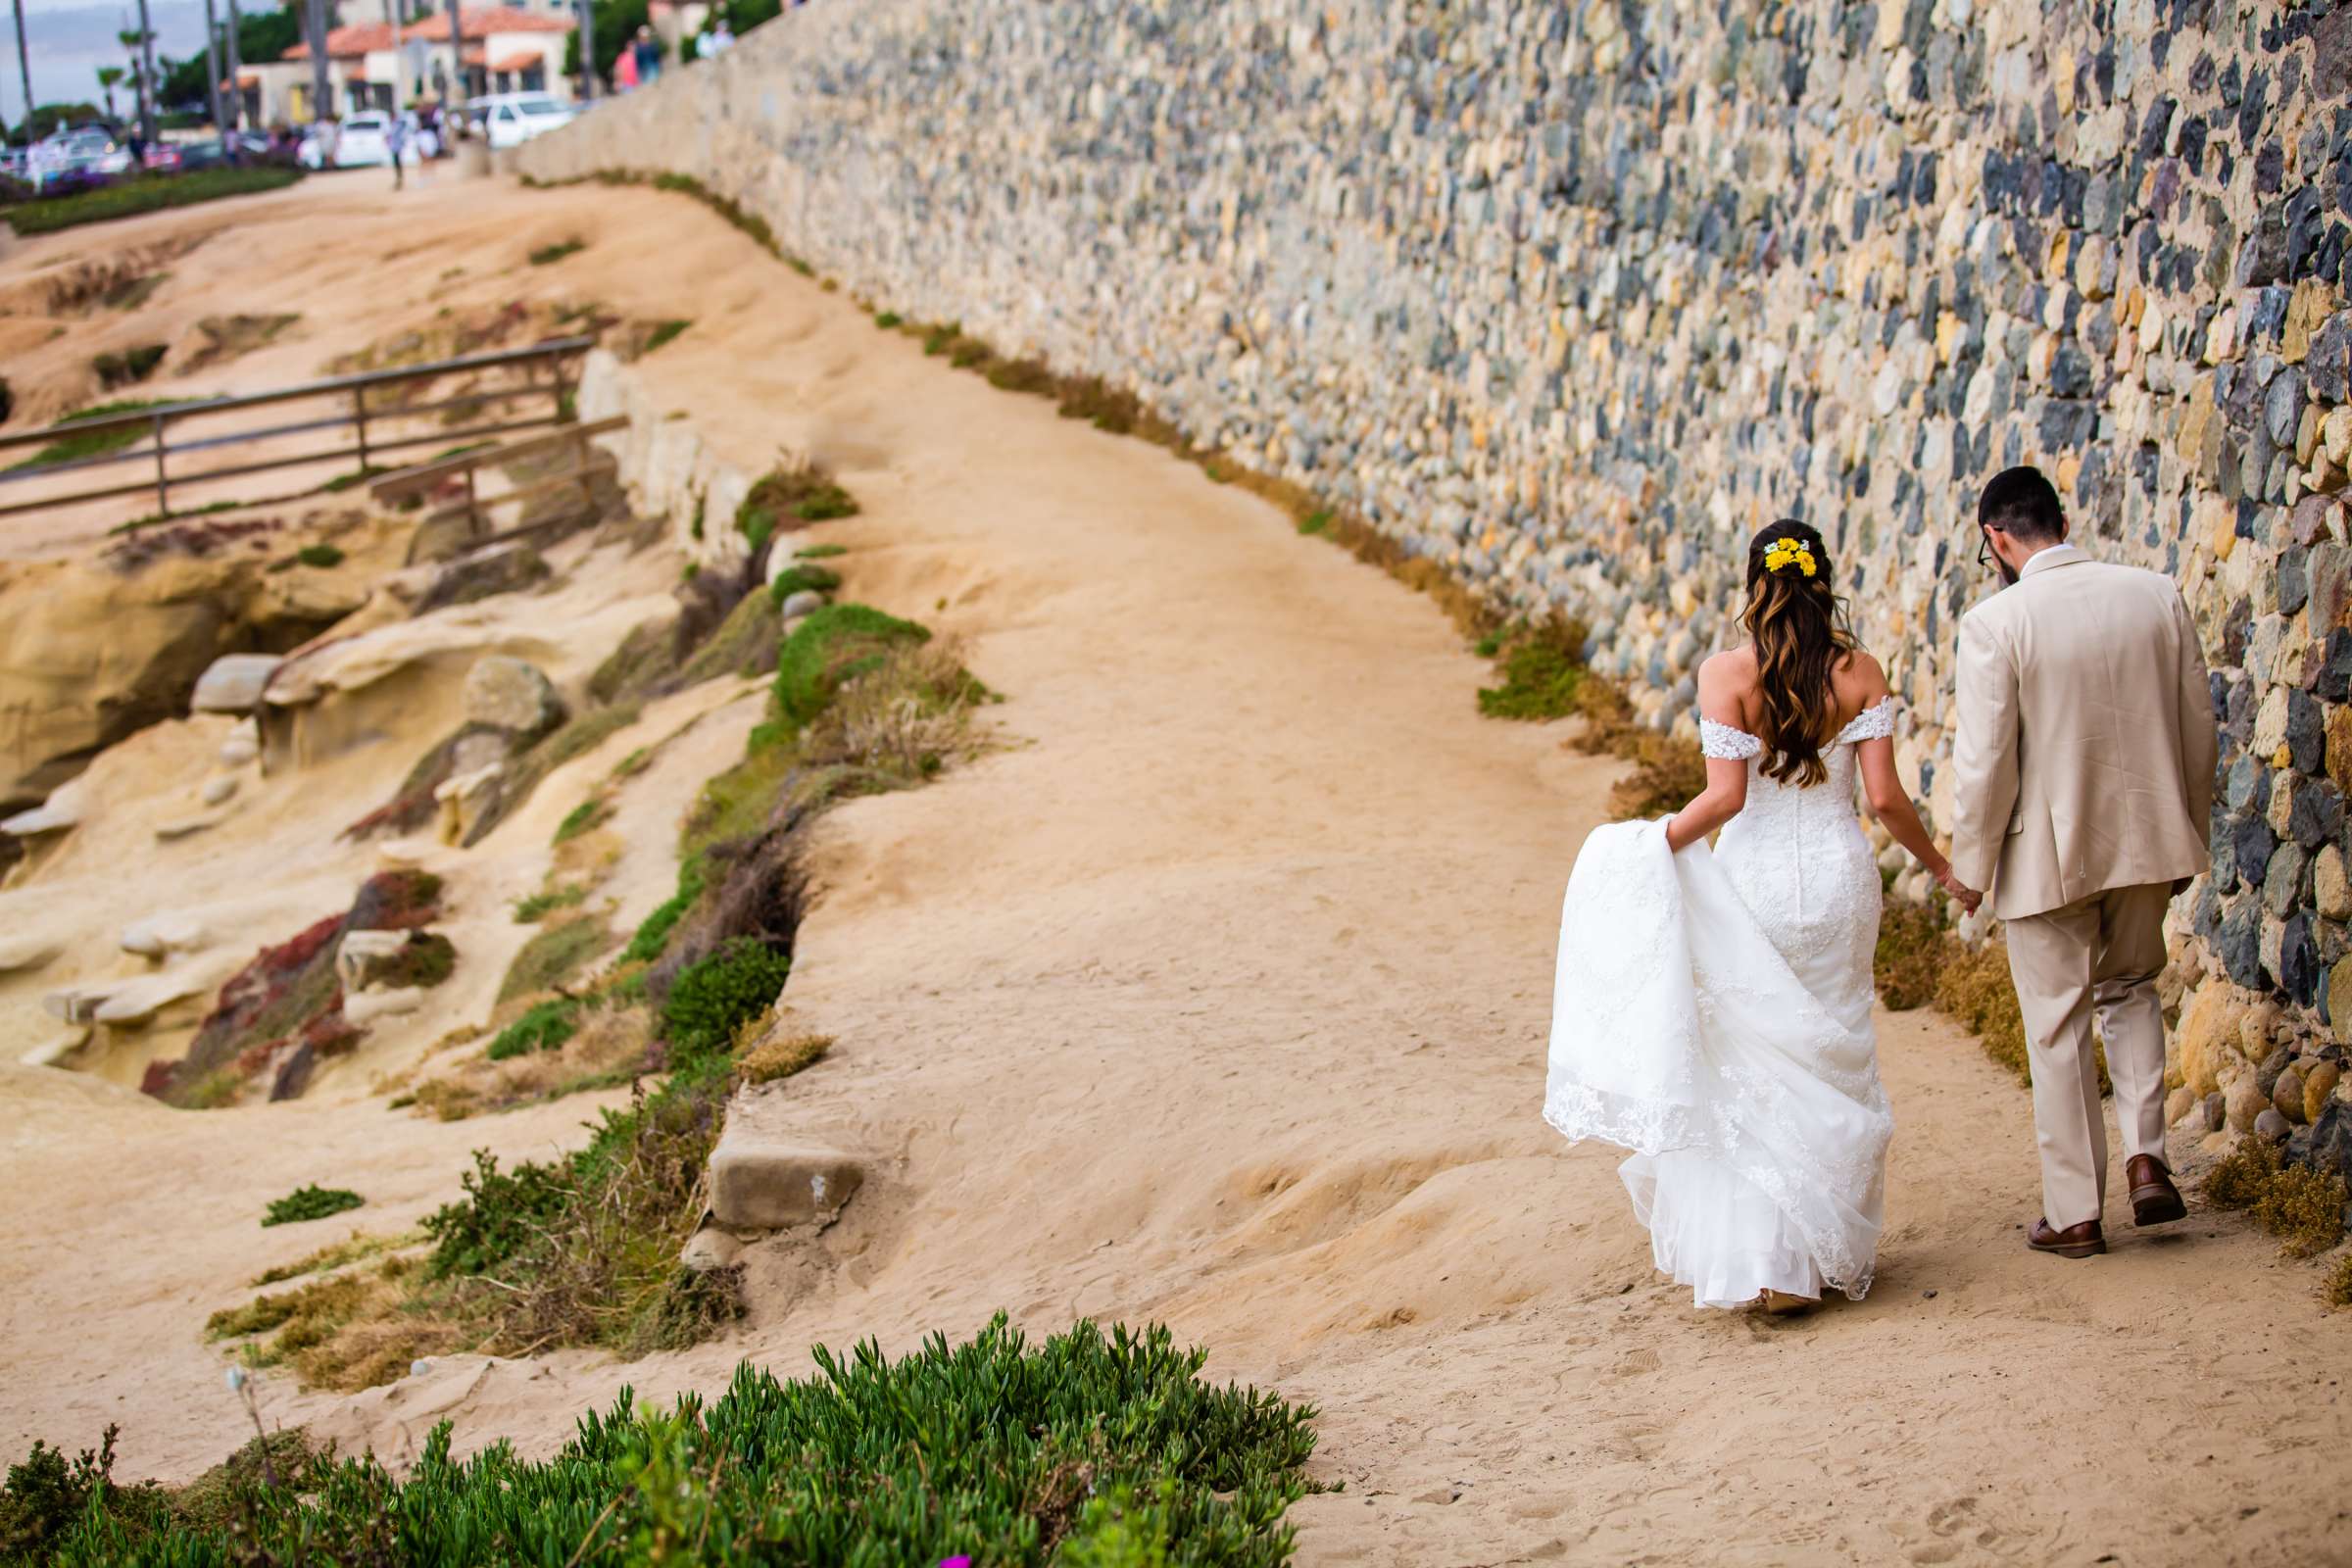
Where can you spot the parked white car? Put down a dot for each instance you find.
(510, 119)
(363, 140)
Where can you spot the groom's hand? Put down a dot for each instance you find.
(1959, 891)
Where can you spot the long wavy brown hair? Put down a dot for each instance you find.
(1797, 624)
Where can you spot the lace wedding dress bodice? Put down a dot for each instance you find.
(1712, 1013)
(1800, 860)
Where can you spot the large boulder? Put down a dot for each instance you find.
(509, 693)
(2211, 1027)
(768, 1179)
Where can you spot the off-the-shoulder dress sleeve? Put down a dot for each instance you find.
(1726, 741)
(1874, 723)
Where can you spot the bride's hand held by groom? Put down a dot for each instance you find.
(1890, 803)
(1961, 892)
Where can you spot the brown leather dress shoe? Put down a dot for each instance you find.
(2085, 1239)
(2155, 1201)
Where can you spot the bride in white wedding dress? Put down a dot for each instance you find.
(1712, 1010)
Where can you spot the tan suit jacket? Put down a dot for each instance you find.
(2085, 753)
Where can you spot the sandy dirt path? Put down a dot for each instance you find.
(1219, 997)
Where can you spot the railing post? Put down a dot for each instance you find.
(580, 458)
(474, 508)
(358, 414)
(162, 492)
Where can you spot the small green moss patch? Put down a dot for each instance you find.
(310, 1203)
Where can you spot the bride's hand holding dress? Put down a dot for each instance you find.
(1712, 1010)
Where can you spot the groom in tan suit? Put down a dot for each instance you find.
(2084, 764)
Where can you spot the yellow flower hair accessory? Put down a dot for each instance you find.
(1789, 553)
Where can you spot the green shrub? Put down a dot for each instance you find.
(590, 814)
(797, 580)
(830, 647)
(548, 255)
(1539, 681)
(711, 998)
(662, 332)
(543, 1026)
(310, 1203)
(654, 935)
(886, 320)
(502, 1213)
(584, 1249)
(820, 552)
(354, 478)
(426, 960)
(320, 556)
(128, 367)
(1095, 1450)
(131, 197)
(808, 493)
(72, 448)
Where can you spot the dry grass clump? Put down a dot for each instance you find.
(230, 338)
(334, 1256)
(347, 1332)
(606, 1049)
(556, 953)
(780, 1057)
(2302, 1206)
(901, 720)
(2336, 1288)
(1910, 958)
(1668, 772)
(122, 281)
(1973, 985)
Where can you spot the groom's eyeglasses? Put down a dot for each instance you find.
(1984, 558)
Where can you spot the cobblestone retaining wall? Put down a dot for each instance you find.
(1573, 296)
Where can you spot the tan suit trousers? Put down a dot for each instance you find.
(2103, 953)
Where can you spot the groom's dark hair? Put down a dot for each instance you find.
(2022, 505)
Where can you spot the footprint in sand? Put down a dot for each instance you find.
(1636, 1362)
(1962, 1527)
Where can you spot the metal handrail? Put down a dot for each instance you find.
(158, 449)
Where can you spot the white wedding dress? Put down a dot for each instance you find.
(1712, 1015)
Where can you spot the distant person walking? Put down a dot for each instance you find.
(396, 143)
(718, 40)
(647, 49)
(624, 69)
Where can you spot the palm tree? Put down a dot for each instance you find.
(147, 77)
(108, 76)
(141, 45)
(24, 69)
